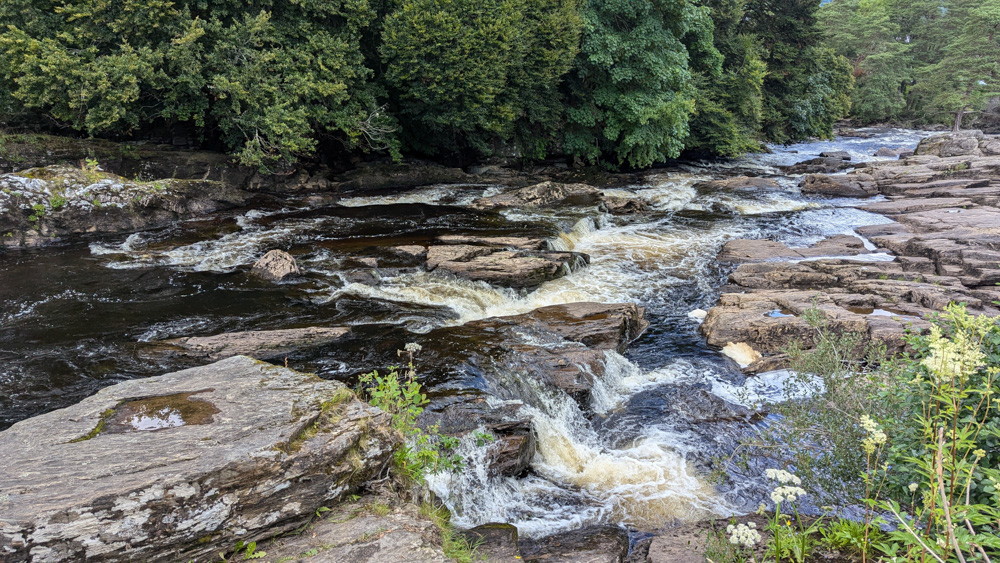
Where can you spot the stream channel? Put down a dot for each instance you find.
(76, 317)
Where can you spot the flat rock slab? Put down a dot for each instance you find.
(498, 265)
(182, 466)
(545, 194)
(263, 344)
(368, 531)
(750, 250)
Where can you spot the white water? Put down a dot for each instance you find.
(579, 476)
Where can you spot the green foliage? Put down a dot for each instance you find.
(925, 60)
(245, 551)
(465, 72)
(423, 452)
(455, 546)
(728, 107)
(269, 76)
(808, 86)
(631, 91)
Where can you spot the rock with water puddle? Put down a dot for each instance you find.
(260, 344)
(370, 530)
(595, 544)
(275, 266)
(182, 466)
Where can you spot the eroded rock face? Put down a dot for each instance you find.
(275, 266)
(545, 194)
(595, 544)
(262, 344)
(269, 447)
(370, 530)
(854, 185)
(962, 143)
(503, 266)
(40, 205)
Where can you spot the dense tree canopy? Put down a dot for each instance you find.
(621, 82)
(918, 60)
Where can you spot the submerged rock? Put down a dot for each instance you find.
(260, 344)
(276, 265)
(182, 466)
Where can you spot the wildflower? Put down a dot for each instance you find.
(786, 493)
(875, 436)
(980, 454)
(941, 542)
(782, 476)
(913, 487)
(743, 534)
(413, 347)
(950, 359)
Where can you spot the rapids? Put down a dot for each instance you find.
(75, 317)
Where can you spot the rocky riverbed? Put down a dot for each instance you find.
(553, 311)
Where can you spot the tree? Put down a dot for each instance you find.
(728, 106)
(269, 78)
(865, 32)
(631, 91)
(466, 73)
(968, 74)
(807, 86)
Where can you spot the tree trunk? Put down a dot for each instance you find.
(958, 120)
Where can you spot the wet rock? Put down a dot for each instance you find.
(372, 176)
(519, 269)
(595, 544)
(498, 543)
(371, 530)
(842, 155)
(742, 183)
(600, 326)
(261, 344)
(893, 152)
(40, 205)
(818, 166)
(618, 205)
(852, 185)
(754, 250)
(278, 445)
(962, 143)
(546, 194)
(512, 453)
(275, 266)
(410, 251)
(523, 243)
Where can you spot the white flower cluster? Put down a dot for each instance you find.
(787, 494)
(413, 347)
(876, 437)
(782, 476)
(743, 534)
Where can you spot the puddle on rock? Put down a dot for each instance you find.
(159, 413)
(876, 312)
(779, 313)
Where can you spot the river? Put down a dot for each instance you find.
(75, 317)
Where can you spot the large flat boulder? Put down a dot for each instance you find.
(260, 344)
(759, 250)
(961, 143)
(184, 465)
(595, 544)
(545, 194)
